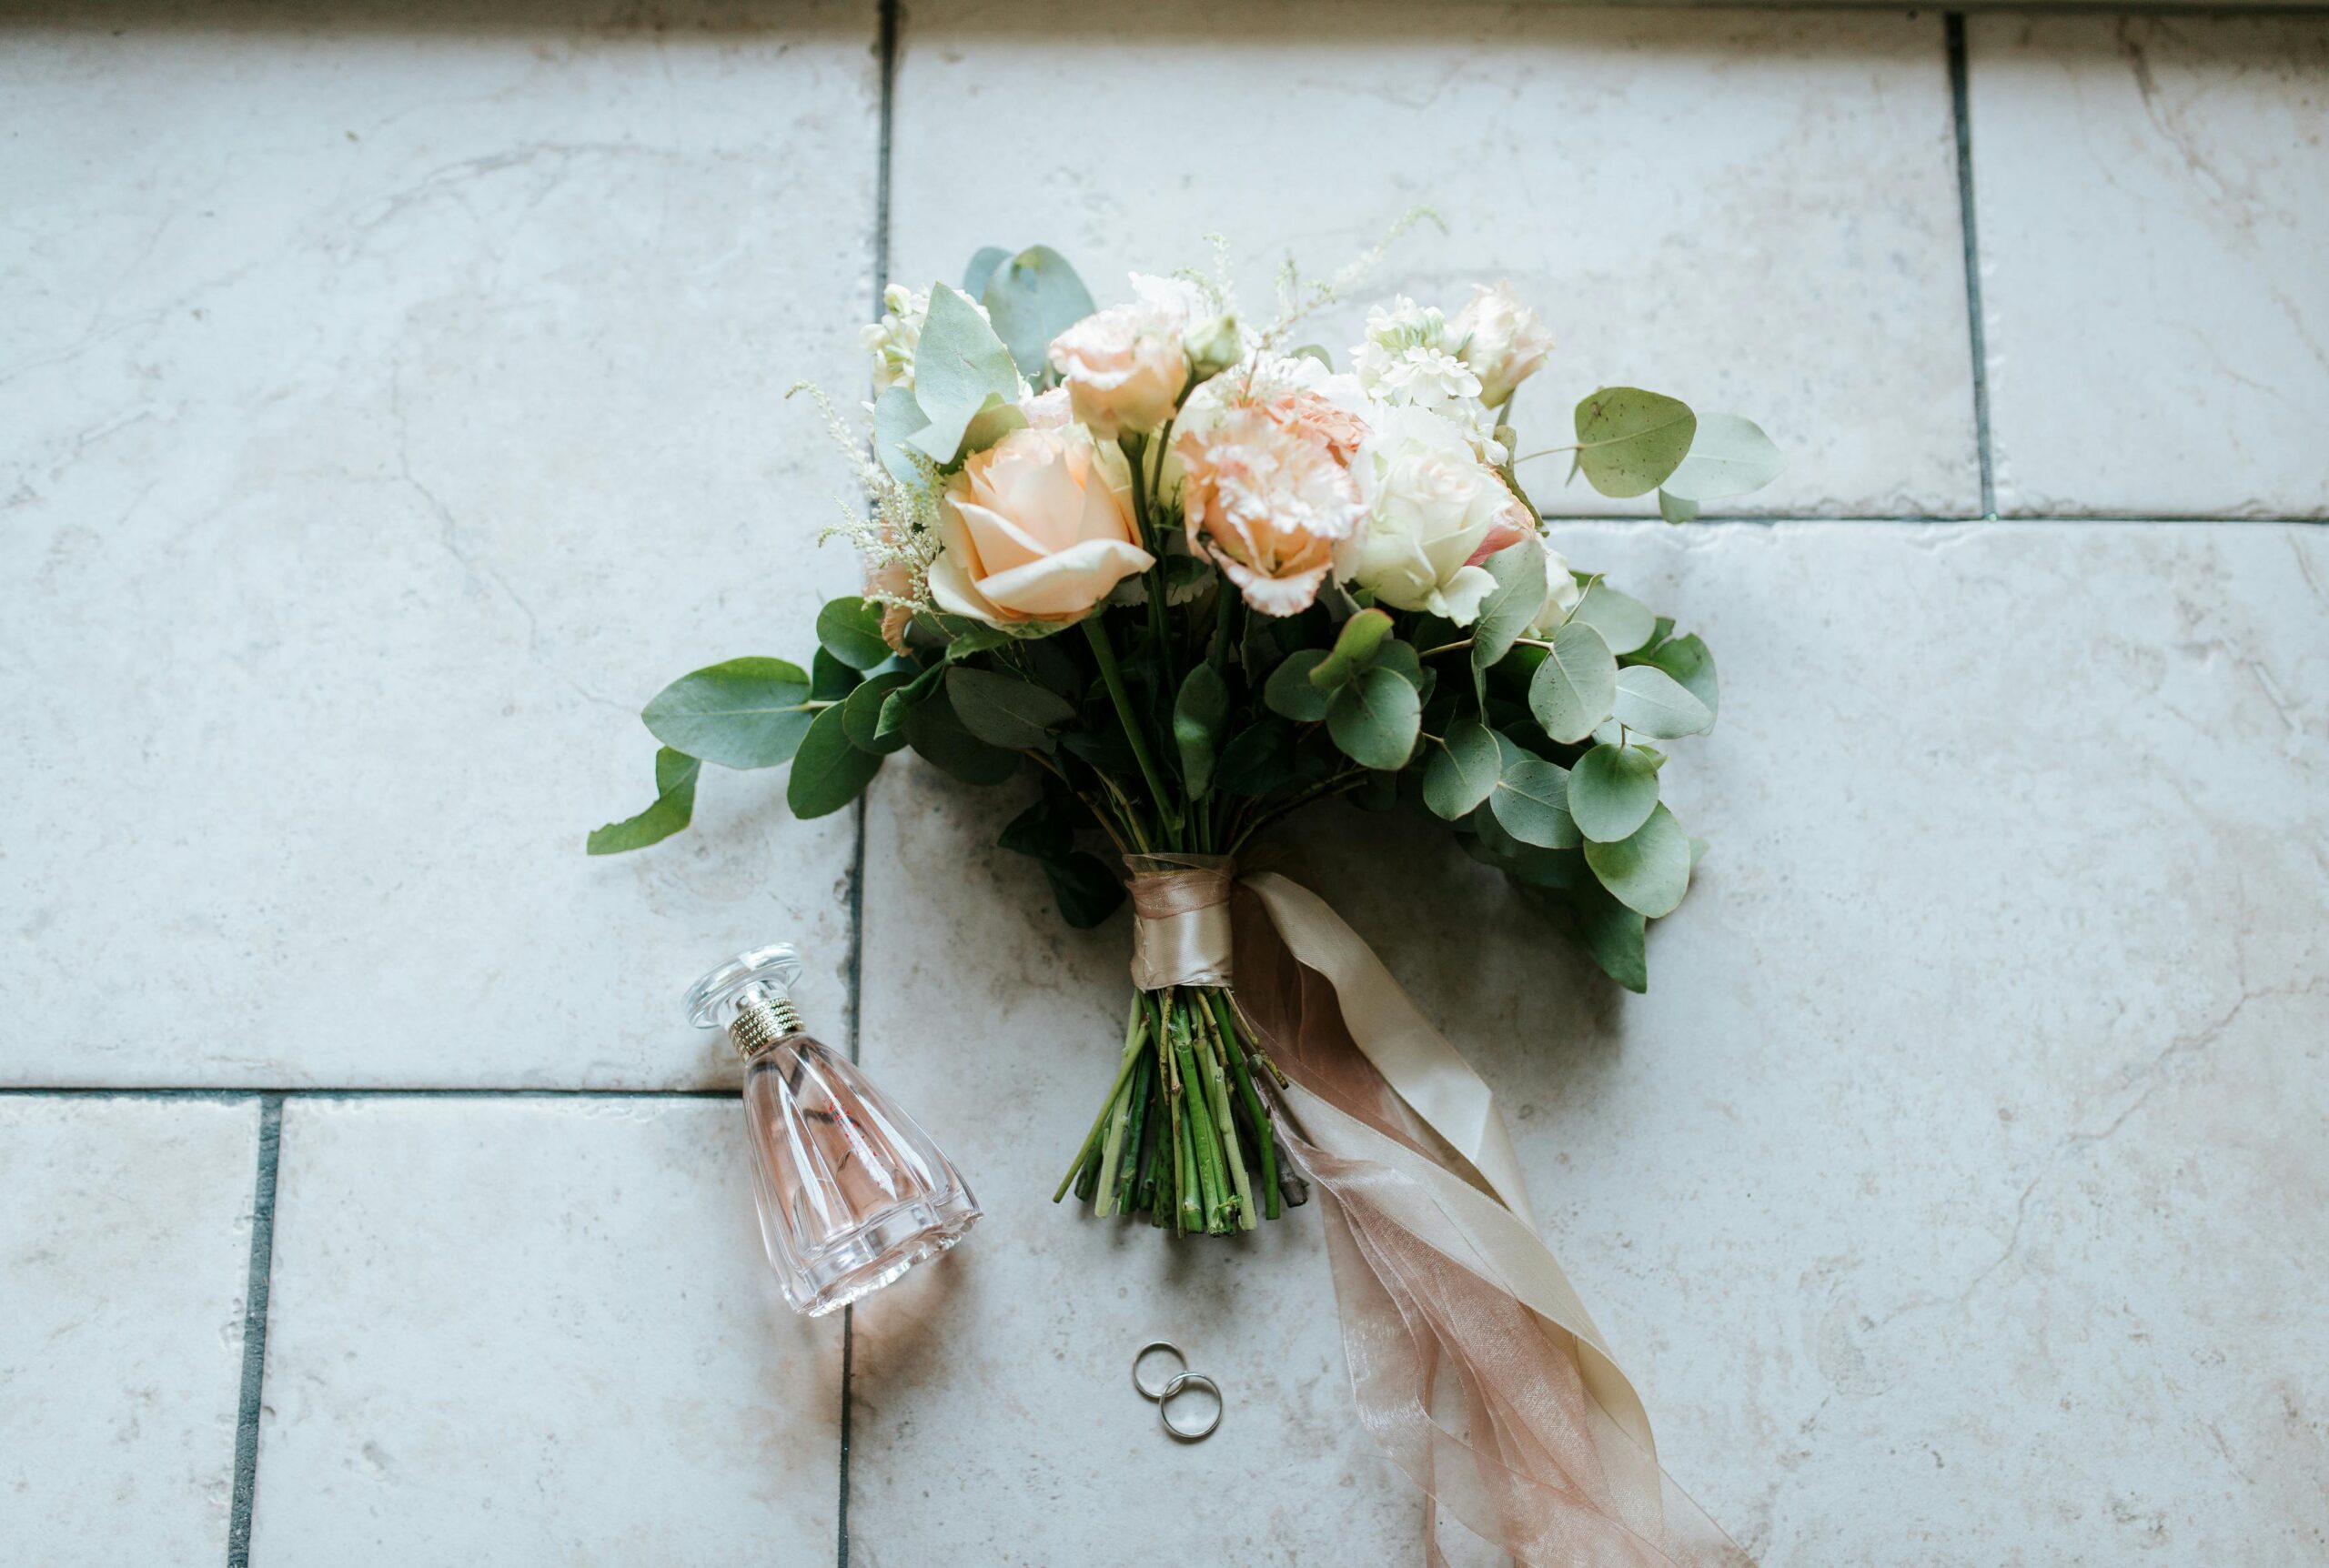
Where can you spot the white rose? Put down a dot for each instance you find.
(1430, 505)
(1125, 366)
(1501, 338)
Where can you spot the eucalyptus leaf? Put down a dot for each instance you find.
(1200, 714)
(1629, 440)
(1463, 770)
(851, 630)
(1004, 710)
(1728, 457)
(1289, 690)
(960, 368)
(1649, 870)
(861, 714)
(1033, 298)
(828, 773)
(1675, 510)
(1653, 703)
(743, 713)
(1356, 646)
(1611, 792)
(1686, 660)
(1530, 799)
(1040, 831)
(1258, 760)
(982, 267)
(1614, 936)
(897, 417)
(829, 679)
(1401, 660)
(1574, 687)
(1375, 719)
(1516, 601)
(674, 806)
(936, 733)
(1624, 622)
(1084, 888)
(897, 704)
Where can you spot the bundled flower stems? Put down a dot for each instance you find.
(1177, 575)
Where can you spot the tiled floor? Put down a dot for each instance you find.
(392, 400)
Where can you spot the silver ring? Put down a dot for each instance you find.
(1158, 1395)
(1171, 1390)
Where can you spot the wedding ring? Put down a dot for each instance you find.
(1158, 1395)
(1171, 1390)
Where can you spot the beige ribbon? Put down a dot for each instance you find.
(1437, 1274)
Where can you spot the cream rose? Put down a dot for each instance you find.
(1037, 528)
(1267, 499)
(1430, 505)
(1501, 338)
(1125, 367)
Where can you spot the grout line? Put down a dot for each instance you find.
(255, 1294)
(1961, 113)
(886, 47)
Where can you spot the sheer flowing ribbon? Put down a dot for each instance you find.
(1474, 1363)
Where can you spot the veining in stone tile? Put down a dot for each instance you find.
(1964, 1155)
(125, 1251)
(391, 410)
(2149, 196)
(1730, 207)
(507, 1330)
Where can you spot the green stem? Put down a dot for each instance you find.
(1104, 651)
(1133, 1030)
(1255, 1111)
(1210, 1182)
(1217, 1081)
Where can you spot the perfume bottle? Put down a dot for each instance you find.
(851, 1192)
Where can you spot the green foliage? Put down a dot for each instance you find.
(1629, 440)
(1625, 623)
(937, 735)
(1728, 457)
(1356, 646)
(861, 714)
(742, 713)
(851, 630)
(828, 773)
(1200, 715)
(1575, 685)
(960, 368)
(1033, 298)
(1612, 791)
(1375, 719)
(1292, 692)
(1463, 770)
(1685, 658)
(1648, 870)
(674, 805)
(1653, 703)
(1005, 711)
(1517, 598)
(1530, 799)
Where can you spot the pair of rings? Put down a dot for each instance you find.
(1180, 1382)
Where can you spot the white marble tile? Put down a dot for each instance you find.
(535, 1331)
(391, 410)
(1732, 207)
(1964, 1155)
(2150, 196)
(125, 1252)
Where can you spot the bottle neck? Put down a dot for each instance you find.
(761, 1022)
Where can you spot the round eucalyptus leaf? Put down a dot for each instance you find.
(1653, 703)
(1375, 719)
(1612, 791)
(860, 715)
(1686, 660)
(1728, 457)
(1574, 687)
(1463, 770)
(1517, 600)
(1648, 871)
(1004, 710)
(1530, 799)
(851, 630)
(1289, 690)
(1624, 622)
(1629, 440)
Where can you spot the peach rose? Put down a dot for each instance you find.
(1267, 497)
(1037, 528)
(1125, 367)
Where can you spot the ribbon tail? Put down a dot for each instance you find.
(1474, 1363)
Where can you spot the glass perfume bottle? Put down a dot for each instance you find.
(851, 1194)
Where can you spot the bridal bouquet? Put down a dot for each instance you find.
(1192, 578)
(1187, 575)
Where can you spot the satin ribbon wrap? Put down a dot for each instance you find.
(1475, 1365)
